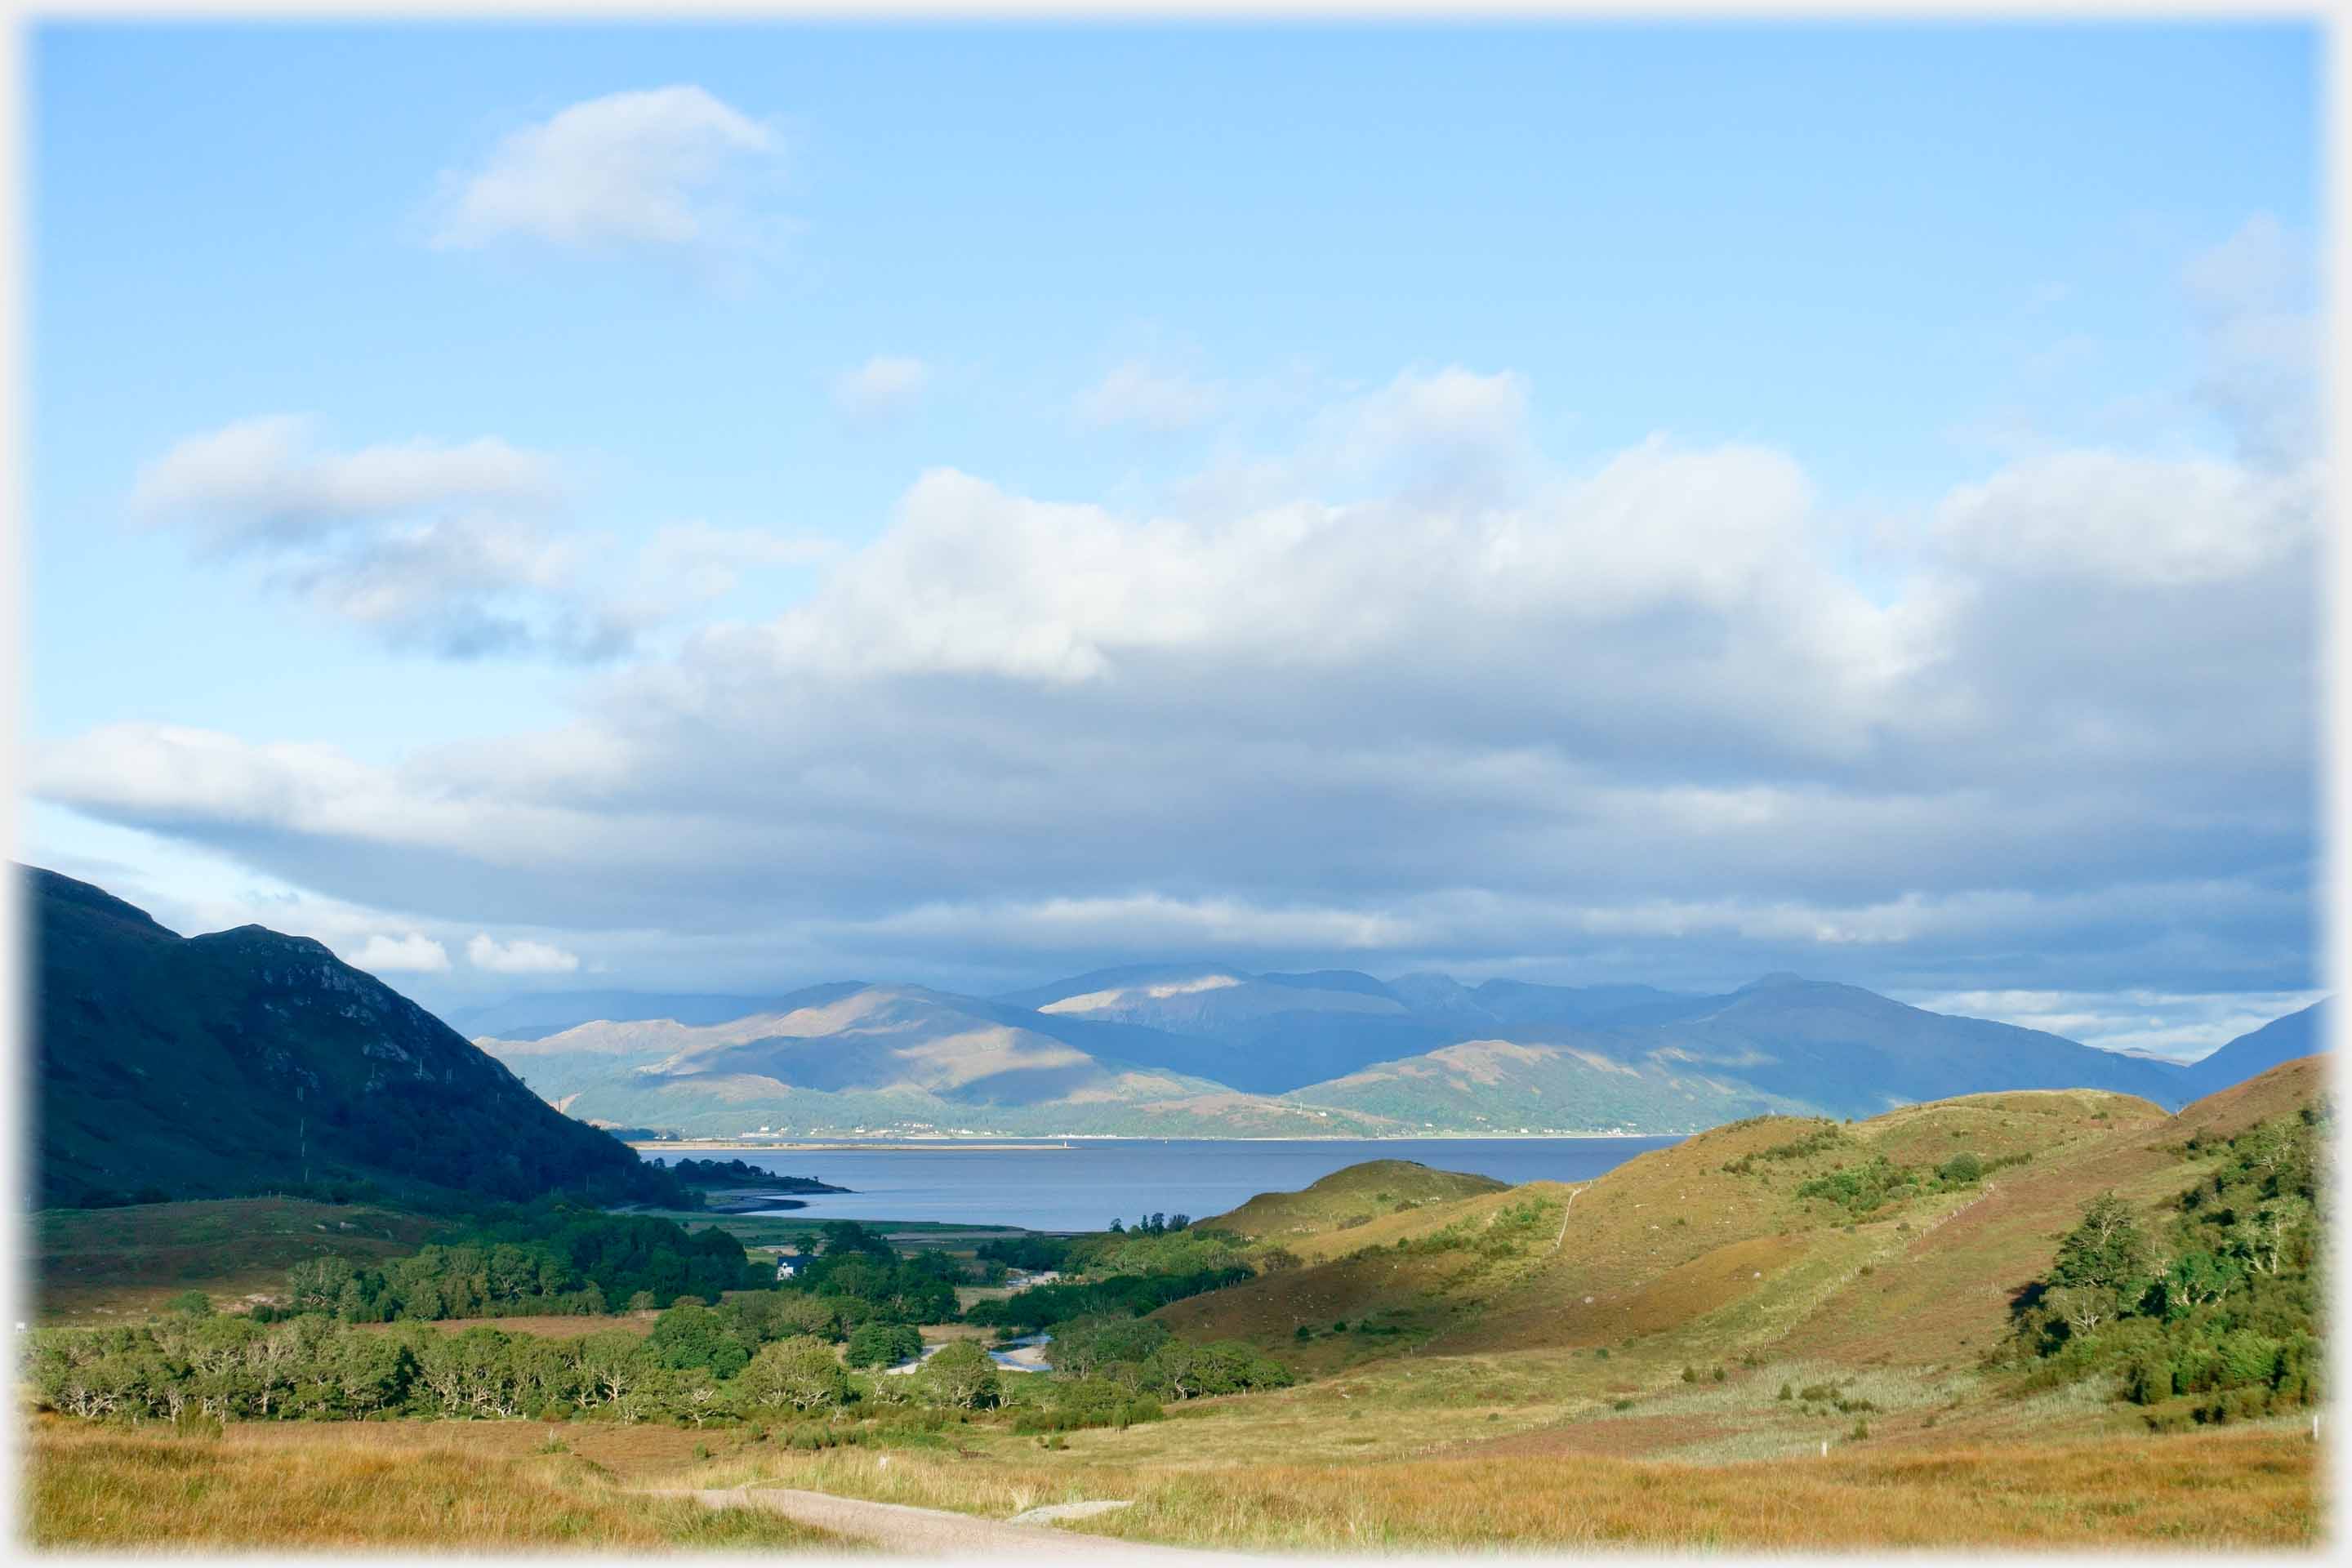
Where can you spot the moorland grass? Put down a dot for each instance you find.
(2231, 1489)
(354, 1485)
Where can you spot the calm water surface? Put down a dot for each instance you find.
(1093, 1182)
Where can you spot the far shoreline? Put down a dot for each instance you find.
(1070, 1141)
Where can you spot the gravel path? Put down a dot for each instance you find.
(938, 1532)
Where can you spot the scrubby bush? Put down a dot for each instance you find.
(1082, 1402)
(959, 1376)
(800, 1373)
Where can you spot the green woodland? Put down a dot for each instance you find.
(355, 1342)
(2215, 1315)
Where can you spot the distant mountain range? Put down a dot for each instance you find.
(245, 1061)
(2280, 1041)
(1206, 1049)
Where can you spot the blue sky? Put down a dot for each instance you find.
(775, 503)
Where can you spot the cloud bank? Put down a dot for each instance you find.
(1417, 692)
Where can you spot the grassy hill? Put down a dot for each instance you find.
(1775, 1249)
(1348, 1199)
(1774, 1335)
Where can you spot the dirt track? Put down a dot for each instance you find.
(938, 1532)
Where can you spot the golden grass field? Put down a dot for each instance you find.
(2236, 1490)
(459, 1485)
(358, 1485)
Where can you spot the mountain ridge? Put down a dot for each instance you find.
(1343, 1052)
(247, 1060)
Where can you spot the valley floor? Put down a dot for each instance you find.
(1209, 1479)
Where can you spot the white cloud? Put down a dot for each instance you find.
(412, 954)
(520, 956)
(1137, 393)
(646, 168)
(2115, 517)
(175, 775)
(443, 547)
(263, 478)
(883, 387)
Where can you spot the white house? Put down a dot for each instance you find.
(787, 1267)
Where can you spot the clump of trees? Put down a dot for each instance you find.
(1025, 1251)
(2220, 1304)
(1080, 1403)
(696, 1173)
(551, 1260)
(1151, 1224)
(864, 1279)
(883, 1344)
(1041, 1307)
(1142, 1357)
(1122, 1272)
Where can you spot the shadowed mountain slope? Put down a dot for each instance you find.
(245, 1061)
(2280, 1041)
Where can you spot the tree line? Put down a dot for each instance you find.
(756, 1358)
(551, 1260)
(352, 1341)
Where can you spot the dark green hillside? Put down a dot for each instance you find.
(245, 1062)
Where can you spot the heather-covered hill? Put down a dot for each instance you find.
(1906, 1240)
